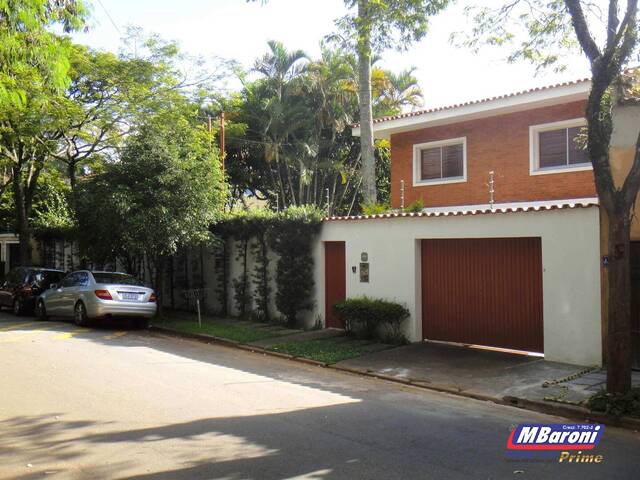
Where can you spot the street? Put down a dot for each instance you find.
(101, 402)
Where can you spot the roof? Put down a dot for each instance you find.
(574, 90)
(481, 209)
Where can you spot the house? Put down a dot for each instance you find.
(508, 250)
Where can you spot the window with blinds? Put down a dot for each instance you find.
(441, 162)
(555, 147)
(558, 148)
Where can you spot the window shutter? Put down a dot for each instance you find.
(553, 148)
(452, 161)
(576, 154)
(430, 163)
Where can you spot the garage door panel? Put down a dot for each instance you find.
(483, 291)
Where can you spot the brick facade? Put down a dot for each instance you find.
(499, 144)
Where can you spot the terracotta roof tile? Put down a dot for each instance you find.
(474, 102)
(478, 210)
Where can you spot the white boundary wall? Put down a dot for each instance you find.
(570, 258)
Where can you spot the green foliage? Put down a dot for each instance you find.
(165, 192)
(374, 208)
(34, 62)
(262, 223)
(415, 207)
(617, 404)
(218, 328)
(51, 214)
(291, 143)
(372, 318)
(290, 233)
(327, 350)
(391, 23)
(292, 239)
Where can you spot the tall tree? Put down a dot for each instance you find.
(377, 25)
(609, 40)
(374, 26)
(164, 193)
(34, 64)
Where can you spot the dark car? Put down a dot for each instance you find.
(22, 285)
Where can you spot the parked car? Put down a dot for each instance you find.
(22, 285)
(86, 295)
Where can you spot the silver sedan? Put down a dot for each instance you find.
(86, 295)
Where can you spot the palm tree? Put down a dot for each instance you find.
(400, 91)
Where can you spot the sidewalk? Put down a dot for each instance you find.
(483, 373)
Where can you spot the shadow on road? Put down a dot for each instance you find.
(378, 431)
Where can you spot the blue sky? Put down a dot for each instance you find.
(237, 30)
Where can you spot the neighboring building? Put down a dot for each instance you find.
(507, 252)
(9, 252)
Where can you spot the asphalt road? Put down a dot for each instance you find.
(108, 403)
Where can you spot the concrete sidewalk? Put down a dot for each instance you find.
(484, 373)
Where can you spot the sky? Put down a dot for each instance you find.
(238, 30)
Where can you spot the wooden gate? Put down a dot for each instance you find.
(483, 292)
(335, 278)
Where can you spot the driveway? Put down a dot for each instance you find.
(106, 403)
(484, 372)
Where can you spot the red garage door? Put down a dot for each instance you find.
(483, 292)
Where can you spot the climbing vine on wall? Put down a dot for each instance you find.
(292, 240)
(290, 233)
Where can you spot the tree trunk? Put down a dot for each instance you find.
(23, 229)
(71, 172)
(364, 96)
(619, 310)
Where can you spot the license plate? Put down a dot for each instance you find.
(130, 296)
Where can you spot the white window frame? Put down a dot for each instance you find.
(417, 162)
(534, 147)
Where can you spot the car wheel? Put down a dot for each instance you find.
(80, 314)
(41, 311)
(18, 307)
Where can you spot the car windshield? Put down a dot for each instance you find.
(117, 278)
(45, 278)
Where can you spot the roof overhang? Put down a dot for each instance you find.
(536, 98)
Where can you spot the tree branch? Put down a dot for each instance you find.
(579, 21)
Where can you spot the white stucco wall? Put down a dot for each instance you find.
(570, 257)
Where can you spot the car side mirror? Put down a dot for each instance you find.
(53, 286)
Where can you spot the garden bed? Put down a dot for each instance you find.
(328, 350)
(236, 331)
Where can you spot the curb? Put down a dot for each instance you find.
(561, 410)
(208, 339)
(573, 412)
(201, 337)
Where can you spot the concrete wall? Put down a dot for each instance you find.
(626, 127)
(570, 256)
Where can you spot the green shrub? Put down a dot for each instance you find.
(415, 207)
(372, 318)
(292, 236)
(374, 208)
(617, 404)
